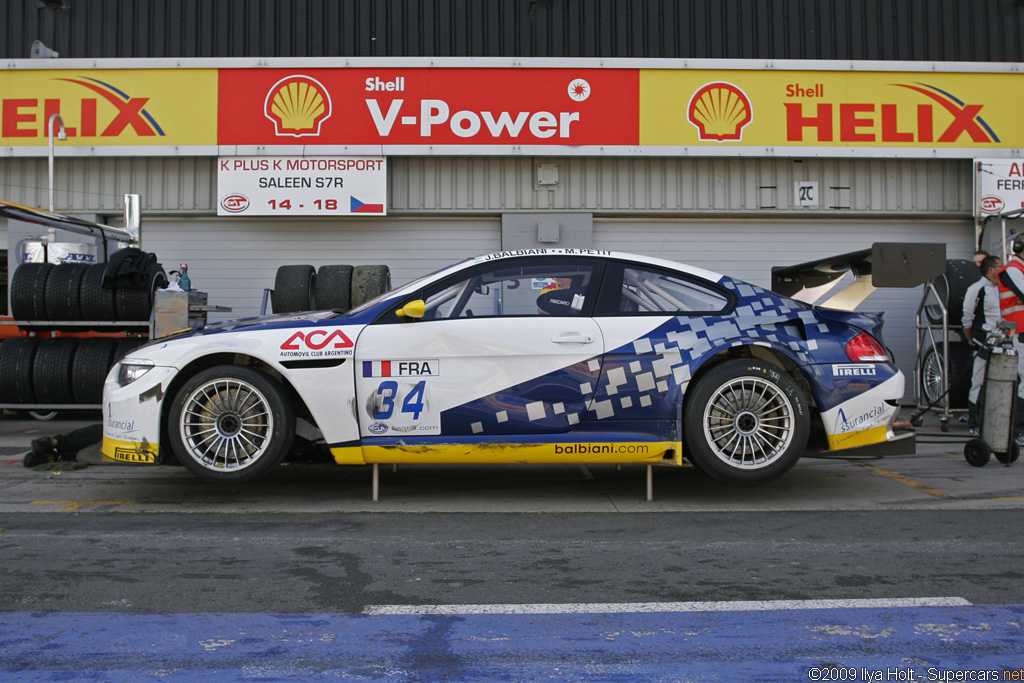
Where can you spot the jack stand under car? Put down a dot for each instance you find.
(1000, 393)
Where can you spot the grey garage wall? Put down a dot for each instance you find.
(235, 259)
(493, 185)
(748, 249)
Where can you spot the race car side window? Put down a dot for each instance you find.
(514, 287)
(634, 289)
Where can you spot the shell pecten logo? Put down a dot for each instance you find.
(298, 105)
(720, 111)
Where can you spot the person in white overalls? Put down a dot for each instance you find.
(981, 314)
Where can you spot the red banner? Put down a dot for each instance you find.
(428, 106)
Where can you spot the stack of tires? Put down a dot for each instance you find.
(304, 288)
(60, 371)
(951, 288)
(74, 292)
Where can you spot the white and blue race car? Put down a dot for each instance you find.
(530, 356)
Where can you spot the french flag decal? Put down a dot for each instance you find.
(376, 368)
(360, 207)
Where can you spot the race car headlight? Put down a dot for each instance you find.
(130, 370)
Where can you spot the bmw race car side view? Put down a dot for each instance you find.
(529, 356)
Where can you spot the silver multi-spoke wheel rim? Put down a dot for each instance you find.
(226, 424)
(931, 377)
(749, 423)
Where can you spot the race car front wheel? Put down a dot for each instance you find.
(746, 422)
(231, 424)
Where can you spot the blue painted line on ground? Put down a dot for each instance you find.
(909, 644)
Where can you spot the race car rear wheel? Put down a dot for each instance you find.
(746, 422)
(231, 424)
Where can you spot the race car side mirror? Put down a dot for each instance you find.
(414, 309)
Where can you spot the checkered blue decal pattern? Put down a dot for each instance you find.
(646, 379)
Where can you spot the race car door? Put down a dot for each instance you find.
(504, 348)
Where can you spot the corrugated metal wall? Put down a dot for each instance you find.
(492, 185)
(928, 30)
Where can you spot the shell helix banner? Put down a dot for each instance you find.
(830, 109)
(161, 108)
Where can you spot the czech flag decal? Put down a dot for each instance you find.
(360, 207)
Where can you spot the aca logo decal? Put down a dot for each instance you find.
(298, 105)
(316, 340)
(720, 111)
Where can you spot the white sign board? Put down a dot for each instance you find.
(301, 186)
(1001, 185)
(805, 193)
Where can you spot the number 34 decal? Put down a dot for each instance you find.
(387, 397)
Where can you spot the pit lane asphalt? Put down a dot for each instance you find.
(936, 477)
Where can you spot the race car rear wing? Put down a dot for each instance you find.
(885, 264)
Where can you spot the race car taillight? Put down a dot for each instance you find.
(865, 349)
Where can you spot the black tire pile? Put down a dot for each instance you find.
(73, 292)
(68, 370)
(61, 371)
(304, 288)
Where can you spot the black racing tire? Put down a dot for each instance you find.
(932, 372)
(369, 282)
(977, 453)
(63, 290)
(333, 288)
(51, 370)
(1010, 456)
(126, 346)
(28, 291)
(136, 303)
(16, 356)
(93, 360)
(294, 289)
(746, 422)
(231, 424)
(951, 288)
(97, 304)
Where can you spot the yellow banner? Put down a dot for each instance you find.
(753, 108)
(159, 107)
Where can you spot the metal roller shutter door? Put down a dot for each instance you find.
(747, 249)
(235, 260)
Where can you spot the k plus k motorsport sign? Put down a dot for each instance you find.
(301, 186)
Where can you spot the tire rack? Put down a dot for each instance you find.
(56, 221)
(926, 338)
(33, 326)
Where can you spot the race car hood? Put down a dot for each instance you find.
(268, 322)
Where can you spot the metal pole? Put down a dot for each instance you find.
(376, 482)
(61, 136)
(650, 483)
